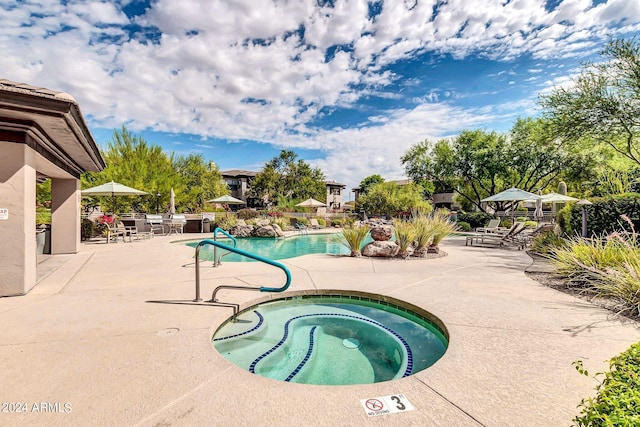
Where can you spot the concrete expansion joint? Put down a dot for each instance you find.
(450, 402)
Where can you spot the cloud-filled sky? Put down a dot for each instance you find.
(349, 85)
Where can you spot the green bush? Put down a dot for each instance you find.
(322, 222)
(87, 228)
(506, 222)
(474, 219)
(303, 221)
(604, 215)
(464, 226)
(618, 400)
(247, 214)
(531, 224)
(545, 243)
(43, 216)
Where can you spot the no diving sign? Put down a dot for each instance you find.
(386, 405)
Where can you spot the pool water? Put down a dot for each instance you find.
(330, 340)
(280, 248)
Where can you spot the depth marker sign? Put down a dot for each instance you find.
(386, 405)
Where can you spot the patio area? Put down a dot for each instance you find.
(101, 340)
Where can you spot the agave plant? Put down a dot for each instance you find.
(405, 235)
(353, 237)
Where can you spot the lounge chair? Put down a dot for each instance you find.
(513, 237)
(314, 223)
(529, 236)
(491, 227)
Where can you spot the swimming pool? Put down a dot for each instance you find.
(280, 248)
(331, 339)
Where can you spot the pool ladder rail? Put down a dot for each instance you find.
(241, 252)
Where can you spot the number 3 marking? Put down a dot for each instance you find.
(399, 405)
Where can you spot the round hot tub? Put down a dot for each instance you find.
(332, 338)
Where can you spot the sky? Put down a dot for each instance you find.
(348, 85)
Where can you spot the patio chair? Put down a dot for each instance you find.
(513, 237)
(113, 231)
(155, 224)
(126, 231)
(314, 223)
(530, 235)
(491, 227)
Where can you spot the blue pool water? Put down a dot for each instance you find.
(330, 340)
(275, 249)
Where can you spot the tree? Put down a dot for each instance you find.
(603, 104)
(285, 177)
(199, 182)
(389, 198)
(134, 162)
(369, 181)
(477, 163)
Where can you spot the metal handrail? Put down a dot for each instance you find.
(243, 253)
(216, 260)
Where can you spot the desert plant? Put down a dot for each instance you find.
(424, 235)
(547, 242)
(441, 227)
(405, 234)
(353, 237)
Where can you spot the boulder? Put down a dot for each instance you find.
(381, 233)
(272, 230)
(381, 249)
(241, 230)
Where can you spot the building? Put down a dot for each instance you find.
(335, 195)
(43, 135)
(239, 183)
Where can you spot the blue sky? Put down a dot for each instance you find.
(348, 85)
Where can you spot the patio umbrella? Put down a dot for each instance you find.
(112, 189)
(557, 198)
(311, 203)
(511, 195)
(172, 202)
(538, 214)
(229, 200)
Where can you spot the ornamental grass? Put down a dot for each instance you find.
(353, 237)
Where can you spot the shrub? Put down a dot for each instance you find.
(530, 224)
(474, 219)
(545, 243)
(618, 399)
(303, 221)
(464, 226)
(603, 216)
(322, 222)
(43, 215)
(247, 214)
(353, 237)
(405, 234)
(507, 223)
(227, 222)
(87, 228)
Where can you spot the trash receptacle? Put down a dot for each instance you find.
(206, 225)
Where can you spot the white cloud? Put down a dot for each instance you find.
(241, 70)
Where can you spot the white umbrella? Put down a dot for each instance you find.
(538, 214)
(229, 200)
(511, 195)
(112, 189)
(172, 202)
(557, 198)
(311, 203)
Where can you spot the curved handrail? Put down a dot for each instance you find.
(242, 252)
(216, 260)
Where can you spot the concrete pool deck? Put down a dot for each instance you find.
(109, 337)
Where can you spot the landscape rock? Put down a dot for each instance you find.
(381, 233)
(241, 230)
(381, 249)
